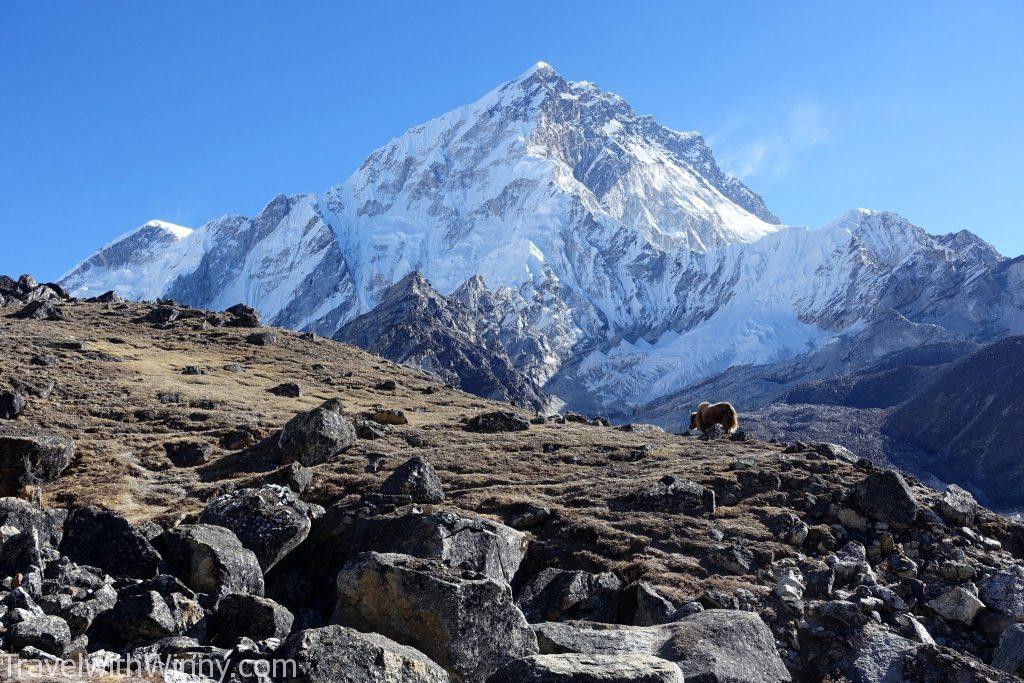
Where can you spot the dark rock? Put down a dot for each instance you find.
(161, 315)
(316, 436)
(597, 668)
(32, 460)
(527, 515)
(211, 559)
(193, 370)
(417, 479)
(238, 439)
(558, 595)
(240, 615)
(732, 558)
(673, 494)
(287, 389)
(262, 338)
(370, 430)
(47, 633)
(885, 496)
(189, 453)
(928, 663)
(108, 297)
(640, 604)
(1009, 655)
(104, 539)
(470, 626)
(334, 654)
(243, 316)
(293, 475)
(41, 310)
(12, 404)
(497, 421)
(1003, 592)
(270, 520)
(45, 360)
(389, 416)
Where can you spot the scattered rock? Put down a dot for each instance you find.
(497, 421)
(262, 338)
(243, 316)
(389, 416)
(189, 453)
(1004, 592)
(287, 389)
(193, 370)
(386, 385)
(47, 633)
(269, 520)
(957, 604)
(333, 654)
(32, 460)
(12, 404)
(316, 436)
(417, 479)
(466, 623)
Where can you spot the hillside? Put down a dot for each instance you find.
(721, 559)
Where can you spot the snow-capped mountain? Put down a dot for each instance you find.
(609, 256)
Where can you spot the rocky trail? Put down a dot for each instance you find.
(187, 486)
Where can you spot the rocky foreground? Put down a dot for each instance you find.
(190, 487)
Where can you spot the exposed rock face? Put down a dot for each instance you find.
(316, 436)
(335, 653)
(415, 325)
(468, 625)
(210, 559)
(557, 595)
(104, 539)
(578, 668)
(31, 460)
(269, 520)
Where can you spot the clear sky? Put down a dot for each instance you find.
(113, 113)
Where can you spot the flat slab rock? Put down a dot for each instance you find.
(577, 668)
(713, 646)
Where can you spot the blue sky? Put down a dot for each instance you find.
(112, 113)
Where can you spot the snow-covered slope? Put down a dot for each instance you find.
(620, 262)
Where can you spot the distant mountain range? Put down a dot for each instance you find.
(564, 249)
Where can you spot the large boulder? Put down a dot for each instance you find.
(12, 404)
(239, 615)
(32, 460)
(47, 633)
(417, 479)
(885, 496)
(557, 595)
(958, 507)
(957, 604)
(105, 539)
(211, 559)
(270, 520)
(1003, 592)
(712, 646)
(465, 622)
(1009, 655)
(316, 436)
(335, 654)
(577, 668)
(497, 421)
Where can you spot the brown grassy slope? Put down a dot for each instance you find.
(106, 399)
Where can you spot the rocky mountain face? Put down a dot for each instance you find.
(187, 486)
(414, 325)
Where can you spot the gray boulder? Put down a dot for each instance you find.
(32, 460)
(957, 604)
(12, 404)
(885, 496)
(47, 633)
(1009, 655)
(104, 539)
(712, 646)
(879, 656)
(335, 654)
(270, 520)
(211, 559)
(316, 436)
(417, 479)
(557, 595)
(465, 622)
(579, 668)
(497, 421)
(1004, 592)
(958, 507)
(239, 615)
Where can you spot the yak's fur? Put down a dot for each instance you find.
(709, 414)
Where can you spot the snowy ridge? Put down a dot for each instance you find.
(608, 256)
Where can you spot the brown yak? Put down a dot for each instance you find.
(709, 414)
